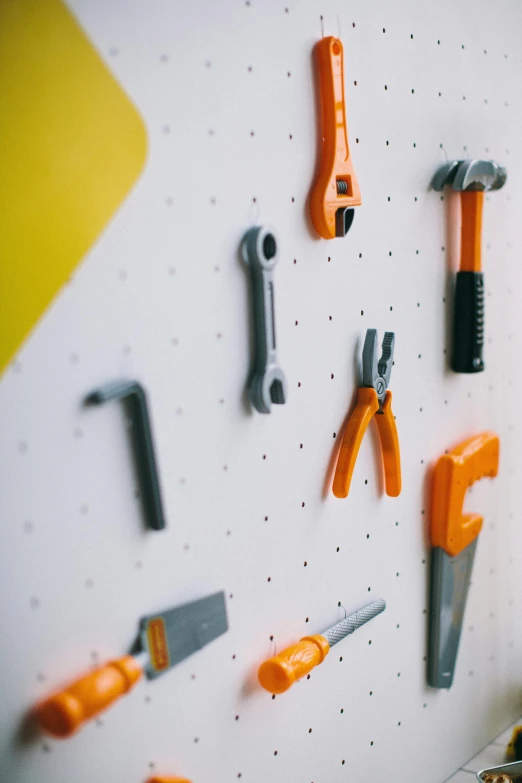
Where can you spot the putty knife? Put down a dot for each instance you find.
(454, 540)
(166, 639)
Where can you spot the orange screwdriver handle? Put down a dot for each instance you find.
(335, 163)
(391, 455)
(367, 406)
(473, 459)
(280, 672)
(64, 712)
(471, 204)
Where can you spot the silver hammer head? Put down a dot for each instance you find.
(470, 175)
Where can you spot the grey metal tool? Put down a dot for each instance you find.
(166, 639)
(449, 591)
(280, 672)
(267, 385)
(170, 637)
(471, 178)
(136, 398)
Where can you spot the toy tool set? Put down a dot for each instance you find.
(194, 379)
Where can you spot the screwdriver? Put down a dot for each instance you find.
(280, 672)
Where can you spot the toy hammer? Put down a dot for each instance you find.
(472, 178)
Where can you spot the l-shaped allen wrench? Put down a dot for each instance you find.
(136, 398)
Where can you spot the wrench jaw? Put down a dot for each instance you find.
(268, 389)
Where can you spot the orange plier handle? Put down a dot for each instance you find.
(366, 408)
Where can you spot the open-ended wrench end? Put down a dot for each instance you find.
(260, 253)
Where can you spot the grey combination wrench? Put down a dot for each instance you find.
(134, 393)
(268, 384)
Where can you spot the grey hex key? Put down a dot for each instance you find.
(268, 384)
(134, 393)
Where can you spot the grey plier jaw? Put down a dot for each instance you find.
(377, 372)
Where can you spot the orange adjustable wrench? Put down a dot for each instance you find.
(335, 191)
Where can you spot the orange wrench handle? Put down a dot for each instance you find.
(471, 202)
(470, 461)
(280, 672)
(64, 712)
(367, 406)
(391, 455)
(335, 160)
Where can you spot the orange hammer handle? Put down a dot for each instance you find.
(471, 203)
(64, 712)
(280, 672)
(473, 459)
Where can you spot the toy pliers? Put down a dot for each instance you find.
(374, 399)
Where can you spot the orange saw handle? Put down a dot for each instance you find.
(391, 455)
(280, 672)
(64, 712)
(367, 406)
(471, 204)
(470, 461)
(335, 164)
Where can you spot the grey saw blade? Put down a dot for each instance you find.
(450, 578)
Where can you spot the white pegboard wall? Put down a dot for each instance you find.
(226, 92)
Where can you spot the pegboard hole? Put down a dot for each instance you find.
(342, 711)
(305, 563)
(309, 731)
(306, 620)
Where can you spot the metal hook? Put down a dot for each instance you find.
(342, 607)
(322, 26)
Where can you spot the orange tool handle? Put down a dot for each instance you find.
(473, 459)
(391, 455)
(335, 160)
(277, 674)
(64, 712)
(367, 406)
(162, 779)
(471, 203)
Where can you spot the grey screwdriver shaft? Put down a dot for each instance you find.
(350, 624)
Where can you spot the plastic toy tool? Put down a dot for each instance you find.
(163, 779)
(165, 639)
(454, 540)
(278, 674)
(335, 191)
(136, 399)
(260, 253)
(374, 399)
(472, 178)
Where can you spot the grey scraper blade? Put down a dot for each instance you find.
(450, 578)
(170, 637)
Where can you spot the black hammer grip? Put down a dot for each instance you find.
(468, 324)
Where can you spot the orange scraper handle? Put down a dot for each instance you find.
(335, 185)
(64, 712)
(473, 459)
(277, 674)
(471, 203)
